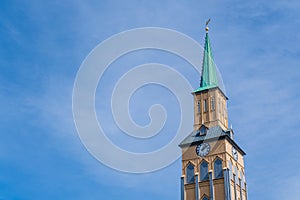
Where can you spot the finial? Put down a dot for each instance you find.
(206, 27)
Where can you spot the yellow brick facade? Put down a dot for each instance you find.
(221, 148)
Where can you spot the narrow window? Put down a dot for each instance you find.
(230, 168)
(199, 106)
(235, 193)
(190, 173)
(219, 105)
(218, 168)
(204, 171)
(204, 198)
(241, 191)
(205, 105)
(242, 179)
(213, 107)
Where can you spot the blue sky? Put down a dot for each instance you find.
(43, 43)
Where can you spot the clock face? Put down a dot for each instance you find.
(234, 153)
(202, 149)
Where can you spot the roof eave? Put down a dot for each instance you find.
(202, 89)
(214, 139)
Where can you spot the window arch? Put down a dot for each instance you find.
(202, 130)
(205, 198)
(190, 178)
(218, 168)
(204, 171)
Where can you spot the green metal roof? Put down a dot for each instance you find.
(205, 88)
(209, 75)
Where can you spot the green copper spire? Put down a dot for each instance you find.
(209, 77)
(209, 74)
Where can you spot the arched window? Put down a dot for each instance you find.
(218, 168)
(204, 198)
(204, 171)
(190, 173)
(199, 106)
(205, 107)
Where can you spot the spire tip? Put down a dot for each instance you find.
(206, 27)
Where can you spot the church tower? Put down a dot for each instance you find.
(212, 162)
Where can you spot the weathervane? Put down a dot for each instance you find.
(206, 27)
